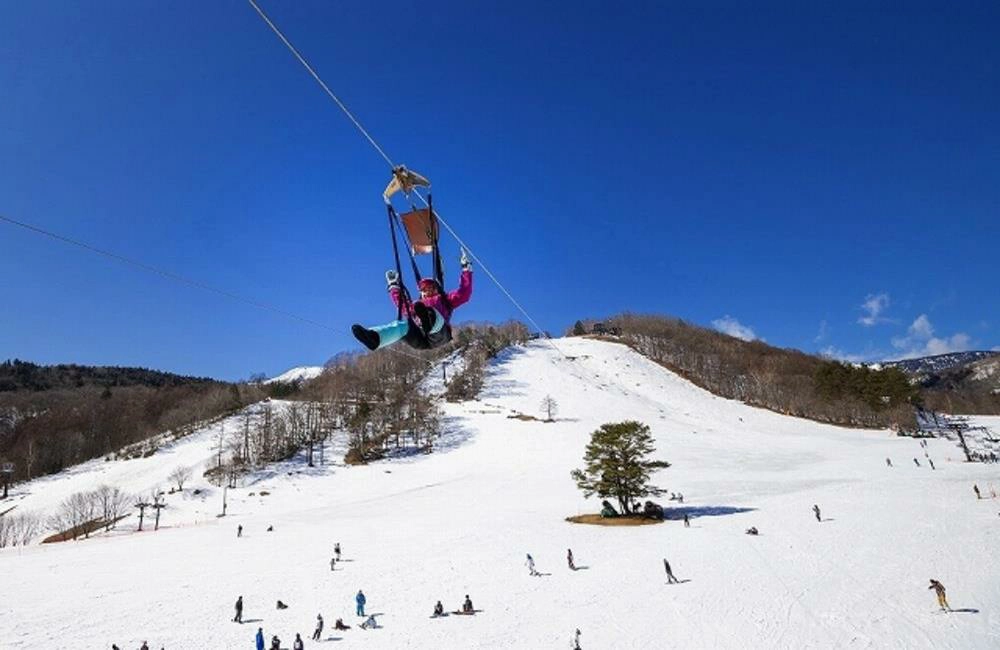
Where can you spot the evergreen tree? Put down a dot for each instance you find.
(617, 464)
(579, 329)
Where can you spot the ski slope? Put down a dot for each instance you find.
(459, 521)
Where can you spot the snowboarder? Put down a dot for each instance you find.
(319, 627)
(888, 462)
(467, 606)
(298, 645)
(369, 622)
(336, 551)
(816, 512)
(531, 565)
(569, 559)
(575, 642)
(339, 625)
(438, 610)
(281, 605)
(975, 488)
(687, 521)
(360, 600)
(260, 638)
(239, 530)
(670, 574)
(239, 610)
(939, 590)
(275, 643)
(432, 313)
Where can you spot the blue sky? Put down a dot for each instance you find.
(824, 178)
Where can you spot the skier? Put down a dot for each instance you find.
(816, 512)
(260, 638)
(239, 610)
(336, 551)
(569, 559)
(239, 530)
(360, 600)
(916, 462)
(687, 522)
(298, 645)
(931, 463)
(432, 313)
(575, 642)
(670, 574)
(333, 563)
(467, 606)
(438, 610)
(975, 488)
(275, 643)
(939, 590)
(531, 565)
(319, 627)
(888, 462)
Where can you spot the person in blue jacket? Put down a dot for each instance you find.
(360, 600)
(260, 638)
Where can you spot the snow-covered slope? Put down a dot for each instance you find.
(304, 373)
(459, 521)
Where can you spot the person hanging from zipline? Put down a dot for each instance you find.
(429, 316)
(424, 323)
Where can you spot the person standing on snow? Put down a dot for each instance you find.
(530, 562)
(975, 488)
(239, 610)
(275, 643)
(670, 574)
(687, 521)
(298, 645)
(574, 643)
(569, 559)
(239, 530)
(260, 638)
(360, 600)
(888, 462)
(467, 607)
(816, 512)
(939, 590)
(319, 627)
(336, 551)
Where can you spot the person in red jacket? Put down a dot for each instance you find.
(431, 313)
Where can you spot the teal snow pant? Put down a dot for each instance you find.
(396, 330)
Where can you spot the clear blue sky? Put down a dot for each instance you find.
(825, 178)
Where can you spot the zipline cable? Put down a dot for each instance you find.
(392, 166)
(183, 280)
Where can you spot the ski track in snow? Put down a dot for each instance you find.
(459, 521)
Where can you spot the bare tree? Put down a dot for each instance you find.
(180, 475)
(550, 407)
(112, 502)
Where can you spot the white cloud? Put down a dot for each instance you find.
(729, 325)
(873, 307)
(921, 342)
(831, 352)
(824, 331)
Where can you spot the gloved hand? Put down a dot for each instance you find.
(465, 261)
(391, 278)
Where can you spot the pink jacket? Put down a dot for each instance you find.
(456, 298)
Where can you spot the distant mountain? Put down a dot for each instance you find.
(939, 363)
(295, 375)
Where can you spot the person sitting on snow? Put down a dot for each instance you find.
(467, 606)
(438, 609)
(432, 313)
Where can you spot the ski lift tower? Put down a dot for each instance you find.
(6, 471)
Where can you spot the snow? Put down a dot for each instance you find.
(459, 521)
(304, 373)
